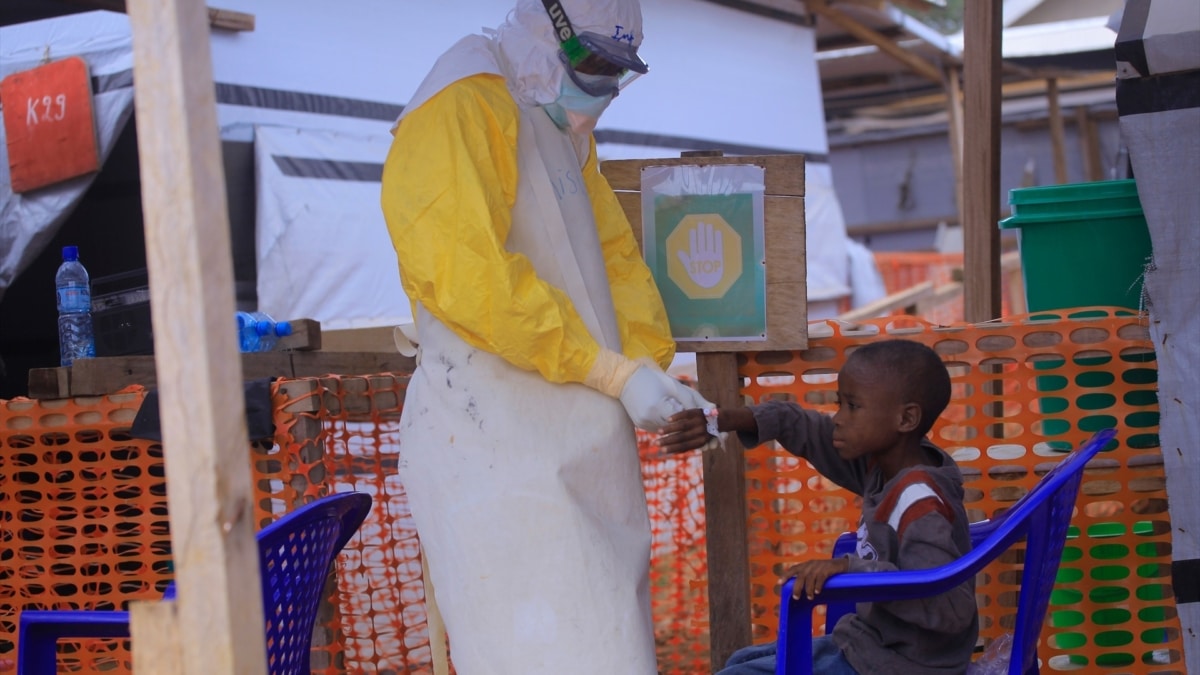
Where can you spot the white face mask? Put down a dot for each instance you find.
(575, 109)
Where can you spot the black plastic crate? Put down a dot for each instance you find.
(121, 314)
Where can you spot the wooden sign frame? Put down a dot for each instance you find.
(784, 230)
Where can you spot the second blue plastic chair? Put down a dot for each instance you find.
(295, 553)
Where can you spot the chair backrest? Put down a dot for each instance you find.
(295, 553)
(1044, 516)
(1041, 517)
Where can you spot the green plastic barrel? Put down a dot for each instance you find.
(1081, 244)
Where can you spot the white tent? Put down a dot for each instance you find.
(317, 90)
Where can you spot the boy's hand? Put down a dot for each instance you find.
(811, 575)
(684, 431)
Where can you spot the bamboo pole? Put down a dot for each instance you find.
(218, 611)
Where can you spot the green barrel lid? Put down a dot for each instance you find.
(1074, 201)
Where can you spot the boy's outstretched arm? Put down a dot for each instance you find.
(688, 430)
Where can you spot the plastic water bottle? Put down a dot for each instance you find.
(258, 332)
(75, 337)
(270, 330)
(247, 330)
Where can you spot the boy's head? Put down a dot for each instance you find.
(907, 372)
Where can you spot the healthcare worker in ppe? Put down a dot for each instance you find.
(542, 342)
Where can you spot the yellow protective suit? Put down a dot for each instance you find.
(463, 143)
(524, 484)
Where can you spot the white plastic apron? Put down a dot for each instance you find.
(528, 495)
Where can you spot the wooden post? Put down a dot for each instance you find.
(1089, 144)
(218, 611)
(954, 111)
(981, 160)
(1057, 132)
(725, 517)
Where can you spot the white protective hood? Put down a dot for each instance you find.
(530, 46)
(29, 221)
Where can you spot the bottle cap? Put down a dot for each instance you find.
(70, 253)
(283, 328)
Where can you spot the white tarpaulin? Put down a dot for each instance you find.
(1158, 100)
(323, 249)
(103, 39)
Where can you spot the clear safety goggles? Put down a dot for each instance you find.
(597, 64)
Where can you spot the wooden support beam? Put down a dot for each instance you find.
(224, 19)
(871, 36)
(981, 160)
(954, 113)
(1058, 144)
(305, 337)
(210, 495)
(1089, 145)
(940, 296)
(909, 297)
(725, 517)
(227, 19)
(929, 103)
(154, 632)
(107, 375)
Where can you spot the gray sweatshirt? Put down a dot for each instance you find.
(914, 521)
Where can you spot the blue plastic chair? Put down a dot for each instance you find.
(1041, 517)
(295, 553)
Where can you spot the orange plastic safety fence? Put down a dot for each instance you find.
(340, 433)
(83, 521)
(1023, 392)
(902, 270)
(83, 506)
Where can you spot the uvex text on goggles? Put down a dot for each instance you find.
(597, 64)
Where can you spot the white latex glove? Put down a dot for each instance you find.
(650, 397)
(689, 397)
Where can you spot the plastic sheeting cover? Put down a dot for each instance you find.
(103, 39)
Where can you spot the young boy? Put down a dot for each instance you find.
(889, 394)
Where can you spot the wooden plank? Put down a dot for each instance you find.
(50, 383)
(154, 631)
(873, 37)
(784, 173)
(725, 518)
(373, 339)
(940, 296)
(306, 336)
(210, 495)
(908, 297)
(981, 160)
(1057, 132)
(316, 364)
(227, 19)
(890, 226)
(109, 374)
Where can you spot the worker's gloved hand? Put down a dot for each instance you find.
(690, 398)
(649, 395)
(650, 398)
